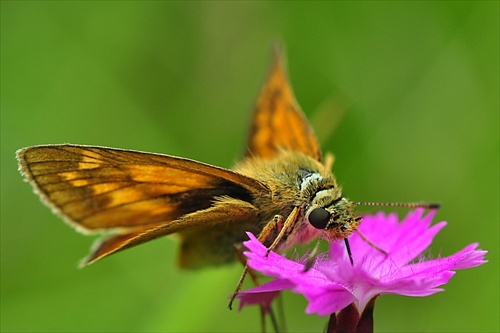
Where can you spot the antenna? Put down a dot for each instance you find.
(425, 205)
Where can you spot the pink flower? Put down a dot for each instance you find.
(332, 284)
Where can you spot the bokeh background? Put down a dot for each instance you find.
(406, 94)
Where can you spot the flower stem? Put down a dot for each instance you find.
(365, 324)
(346, 320)
(332, 323)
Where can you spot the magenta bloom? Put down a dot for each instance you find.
(332, 284)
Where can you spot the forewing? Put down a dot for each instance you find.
(122, 191)
(278, 121)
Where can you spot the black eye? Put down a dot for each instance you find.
(319, 218)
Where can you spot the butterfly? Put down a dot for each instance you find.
(282, 189)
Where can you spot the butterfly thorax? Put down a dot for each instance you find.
(297, 180)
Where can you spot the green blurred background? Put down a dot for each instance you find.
(404, 93)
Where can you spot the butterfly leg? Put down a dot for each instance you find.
(290, 220)
(363, 237)
(246, 271)
(270, 229)
(243, 260)
(267, 232)
(253, 275)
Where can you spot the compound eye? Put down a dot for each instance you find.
(319, 218)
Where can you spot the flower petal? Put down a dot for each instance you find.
(263, 294)
(333, 283)
(327, 302)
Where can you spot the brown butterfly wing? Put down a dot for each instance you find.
(208, 236)
(126, 192)
(278, 121)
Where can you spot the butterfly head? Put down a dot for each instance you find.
(336, 218)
